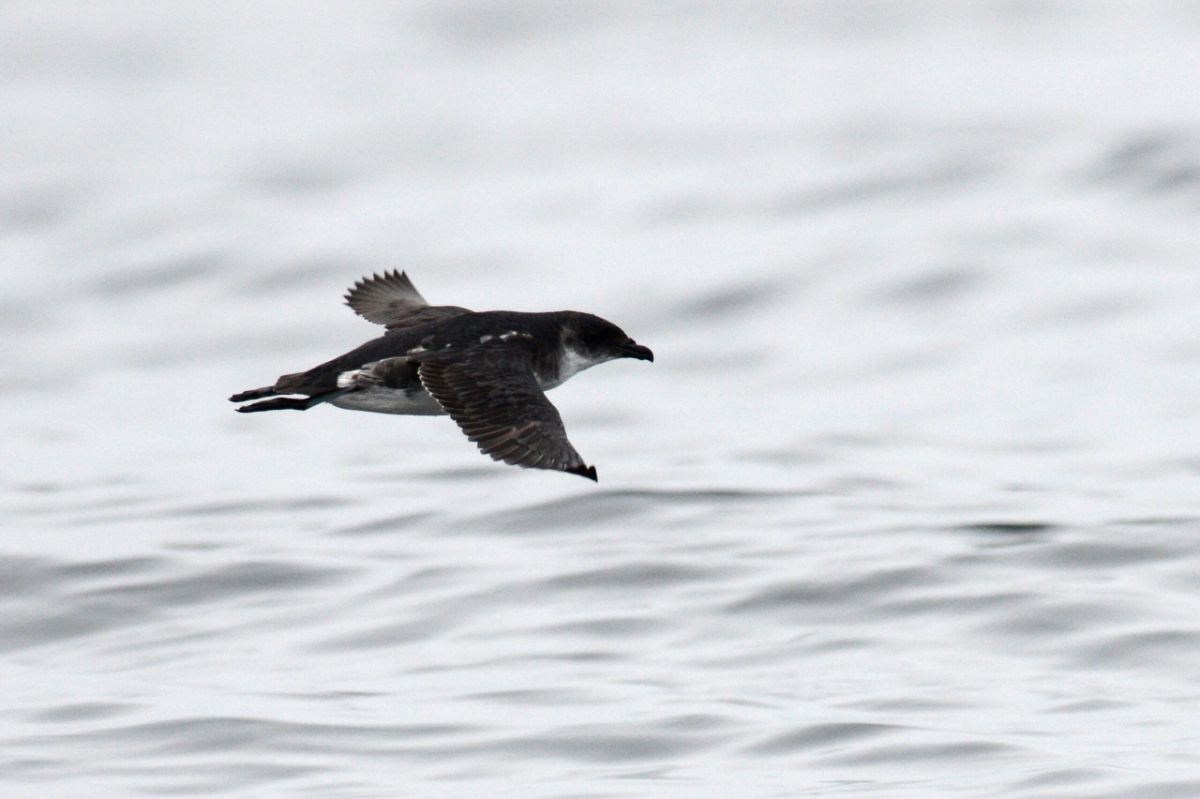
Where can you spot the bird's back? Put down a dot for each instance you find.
(461, 330)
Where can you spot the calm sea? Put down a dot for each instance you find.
(907, 505)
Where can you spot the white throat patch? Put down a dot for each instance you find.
(573, 362)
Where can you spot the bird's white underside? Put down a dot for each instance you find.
(573, 362)
(375, 398)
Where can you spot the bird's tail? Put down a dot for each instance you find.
(254, 393)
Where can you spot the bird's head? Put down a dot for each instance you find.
(595, 340)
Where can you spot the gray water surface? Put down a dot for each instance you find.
(905, 507)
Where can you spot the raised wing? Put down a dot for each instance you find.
(392, 300)
(491, 393)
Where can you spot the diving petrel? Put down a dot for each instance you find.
(486, 369)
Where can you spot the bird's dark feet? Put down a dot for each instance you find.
(277, 404)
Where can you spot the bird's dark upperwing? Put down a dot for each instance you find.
(392, 300)
(491, 393)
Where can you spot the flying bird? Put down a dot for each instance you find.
(487, 369)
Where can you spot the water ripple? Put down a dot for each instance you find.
(818, 736)
(606, 507)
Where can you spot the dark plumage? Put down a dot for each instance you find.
(487, 370)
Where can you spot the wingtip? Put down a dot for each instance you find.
(585, 471)
(388, 276)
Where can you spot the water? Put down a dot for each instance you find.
(905, 507)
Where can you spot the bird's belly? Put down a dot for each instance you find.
(377, 399)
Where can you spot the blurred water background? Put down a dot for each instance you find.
(906, 507)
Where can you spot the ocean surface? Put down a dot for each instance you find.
(908, 504)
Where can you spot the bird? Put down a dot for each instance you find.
(487, 370)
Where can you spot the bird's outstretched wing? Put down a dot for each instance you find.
(393, 301)
(491, 393)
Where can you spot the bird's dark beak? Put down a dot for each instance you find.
(631, 349)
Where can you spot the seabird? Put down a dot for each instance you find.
(486, 369)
